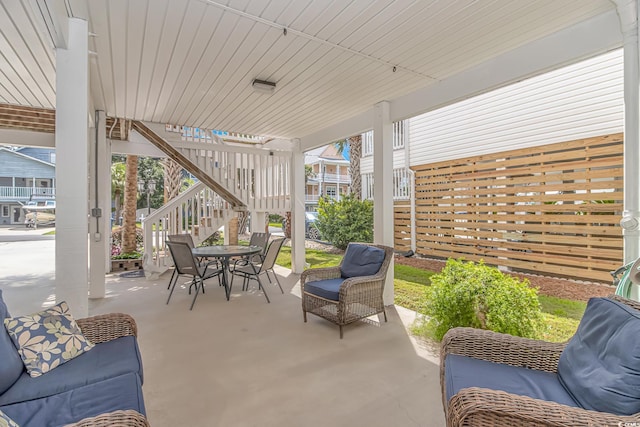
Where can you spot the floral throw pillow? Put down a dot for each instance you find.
(5, 421)
(47, 339)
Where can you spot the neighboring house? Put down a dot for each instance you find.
(330, 175)
(24, 174)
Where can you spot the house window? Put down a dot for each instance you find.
(5, 210)
(331, 191)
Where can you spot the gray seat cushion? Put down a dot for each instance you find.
(463, 372)
(361, 260)
(11, 366)
(600, 367)
(329, 288)
(106, 360)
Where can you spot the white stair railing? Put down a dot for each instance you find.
(260, 180)
(198, 211)
(257, 177)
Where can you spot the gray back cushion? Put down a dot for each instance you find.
(11, 365)
(361, 260)
(600, 367)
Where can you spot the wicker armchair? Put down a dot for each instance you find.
(475, 406)
(359, 297)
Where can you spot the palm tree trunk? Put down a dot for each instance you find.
(355, 153)
(130, 201)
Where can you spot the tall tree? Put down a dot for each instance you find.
(355, 154)
(117, 187)
(130, 203)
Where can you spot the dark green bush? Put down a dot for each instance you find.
(479, 296)
(346, 220)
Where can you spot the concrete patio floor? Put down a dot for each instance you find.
(249, 363)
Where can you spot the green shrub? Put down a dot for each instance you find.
(479, 296)
(344, 221)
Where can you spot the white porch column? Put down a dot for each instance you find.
(297, 209)
(630, 222)
(383, 188)
(100, 186)
(72, 94)
(258, 221)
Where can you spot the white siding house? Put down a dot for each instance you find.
(578, 101)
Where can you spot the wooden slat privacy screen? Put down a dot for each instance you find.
(552, 209)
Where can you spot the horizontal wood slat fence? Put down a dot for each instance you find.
(552, 209)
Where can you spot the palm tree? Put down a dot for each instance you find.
(130, 202)
(117, 187)
(355, 153)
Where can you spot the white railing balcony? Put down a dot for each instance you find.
(313, 198)
(332, 177)
(25, 193)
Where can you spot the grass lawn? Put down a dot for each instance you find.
(275, 224)
(561, 316)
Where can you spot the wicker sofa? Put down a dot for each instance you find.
(102, 387)
(492, 379)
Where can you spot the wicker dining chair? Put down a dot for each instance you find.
(351, 291)
(482, 406)
(186, 264)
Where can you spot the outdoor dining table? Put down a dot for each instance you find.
(224, 253)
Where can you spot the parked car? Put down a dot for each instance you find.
(310, 226)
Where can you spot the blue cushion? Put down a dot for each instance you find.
(47, 339)
(329, 289)
(106, 360)
(463, 372)
(118, 393)
(600, 367)
(361, 260)
(11, 367)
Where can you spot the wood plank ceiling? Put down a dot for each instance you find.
(192, 62)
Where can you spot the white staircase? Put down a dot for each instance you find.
(259, 178)
(199, 211)
(244, 178)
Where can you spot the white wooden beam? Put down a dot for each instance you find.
(72, 94)
(27, 138)
(383, 187)
(630, 222)
(100, 197)
(297, 183)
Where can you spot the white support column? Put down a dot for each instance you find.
(72, 94)
(105, 195)
(383, 188)
(630, 222)
(297, 209)
(100, 183)
(258, 220)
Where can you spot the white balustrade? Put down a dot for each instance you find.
(198, 211)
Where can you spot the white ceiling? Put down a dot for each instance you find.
(191, 62)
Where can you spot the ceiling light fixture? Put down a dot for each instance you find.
(263, 86)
